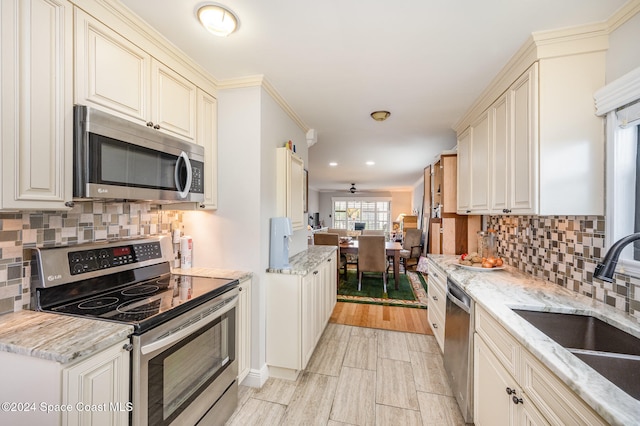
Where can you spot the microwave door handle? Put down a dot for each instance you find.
(183, 191)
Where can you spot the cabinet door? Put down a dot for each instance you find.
(524, 152)
(308, 307)
(244, 330)
(492, 405)
(500, 150)
(111, 73)
(464, 172)
(208, 137)
(101, 380)
(36, 120)
(297, 199)
(173, 102)
(479, 164)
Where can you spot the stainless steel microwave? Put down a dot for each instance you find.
(117, 159)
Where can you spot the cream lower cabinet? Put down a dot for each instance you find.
(511, 387)
(298, 309)
(244, 330)
(93, 391)
(437, 285)
(36, 111)
(289, 192)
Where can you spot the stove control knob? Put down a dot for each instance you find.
(77, 268)
(128, 347)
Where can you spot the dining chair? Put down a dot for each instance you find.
(373, 232)
(372, 257)
(340, 232)
(326, 239)
(411, 247)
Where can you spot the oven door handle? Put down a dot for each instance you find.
(181, 334)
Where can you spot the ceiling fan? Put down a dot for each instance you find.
(353, 189)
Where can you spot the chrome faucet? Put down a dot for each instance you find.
(606, 268)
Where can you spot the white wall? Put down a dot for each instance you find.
(400, 203)
(623, 55)
(236, 236)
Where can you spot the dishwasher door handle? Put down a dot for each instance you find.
(458, 303)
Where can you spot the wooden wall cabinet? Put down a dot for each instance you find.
(451, 233)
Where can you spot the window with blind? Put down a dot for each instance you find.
(352, 214)
(620, 102)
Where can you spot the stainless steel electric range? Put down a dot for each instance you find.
(183, 361)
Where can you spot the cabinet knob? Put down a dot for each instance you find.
(315, 272)
(435, 298)
(157, 127)
(468, 211)
(434, 325)
(516, 400)
(69, 204)
(434, 275)
(127, 347)
(149, 123)
(239, 288)
(202, 206)
(510, 391)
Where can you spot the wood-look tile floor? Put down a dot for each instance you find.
(358, 376)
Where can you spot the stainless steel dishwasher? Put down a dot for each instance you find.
(458, 347)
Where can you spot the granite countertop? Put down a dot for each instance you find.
(500, 291)
(59, 338)
(305, 261)
(213, 273)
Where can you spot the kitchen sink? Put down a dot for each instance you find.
(608, 350)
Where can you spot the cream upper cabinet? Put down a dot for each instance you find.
(207, 136)
(117, 76)
(464, 176)
(479, 165)
(522, 145)
(500, 164)
(111, 72)
(290, 181)
(545, 143)
(173, 102)
(36, 72)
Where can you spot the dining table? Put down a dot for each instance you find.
(392, 249)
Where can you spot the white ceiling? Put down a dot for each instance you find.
(336, 61)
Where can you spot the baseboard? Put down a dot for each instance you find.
(256, 377)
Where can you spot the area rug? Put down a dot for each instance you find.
(412, 290)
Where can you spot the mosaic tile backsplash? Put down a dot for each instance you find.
(565, 250)
(85, 222)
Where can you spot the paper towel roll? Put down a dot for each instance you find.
(186, 247)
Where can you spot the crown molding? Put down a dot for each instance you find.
(539, 46)
(261, 81)
(626, 12)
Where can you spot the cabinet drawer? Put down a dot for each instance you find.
(505, 347)
(437, 296)
(436, 322)
(554, 399)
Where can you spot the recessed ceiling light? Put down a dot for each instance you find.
(370, 163)
(333, 164)
(217, 19)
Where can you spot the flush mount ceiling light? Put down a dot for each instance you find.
(380, 115)
(217, 19)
